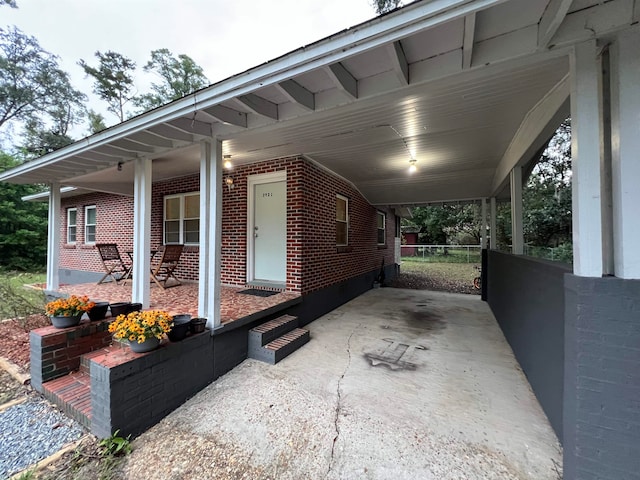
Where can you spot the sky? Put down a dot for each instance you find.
(223, 37)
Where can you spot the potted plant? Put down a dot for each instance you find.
(143, 330)
(67, 312)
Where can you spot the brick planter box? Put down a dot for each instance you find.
(56, 352)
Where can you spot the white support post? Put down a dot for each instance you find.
(625, 129)
(210, 232)
(493, 238)
(517, 236)
(483, 223)
(53, 238)
(141, 231)
(585, 161)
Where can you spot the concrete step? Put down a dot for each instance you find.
(280, 347)
(269, 331)
(72, 393)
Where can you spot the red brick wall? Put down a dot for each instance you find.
(313, 260)
(114, 223)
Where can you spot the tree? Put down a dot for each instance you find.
(30, 80)
(23, 225)
(384, 6)
(179, 77)
(96, 122)
(113, 80)
(447, 224)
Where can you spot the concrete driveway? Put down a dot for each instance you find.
(396, 384)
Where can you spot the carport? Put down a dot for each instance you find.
(468, 91)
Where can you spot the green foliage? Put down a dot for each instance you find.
(115, 445)
(384, 6)
(23, 225)
(179, 77)
(19, 302)
(28, 475)
(96, 122)
(444, 224)
(112, 80)
(30, 81)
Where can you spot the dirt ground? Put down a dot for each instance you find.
(437, 277)
(14, 339)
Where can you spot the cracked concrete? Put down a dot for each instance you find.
(458, 409)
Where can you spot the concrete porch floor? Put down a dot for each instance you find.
(398, 384)
(184, 298)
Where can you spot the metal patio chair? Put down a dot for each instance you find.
(113, 264)
(163, 270)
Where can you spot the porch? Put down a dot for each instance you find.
(234, 304)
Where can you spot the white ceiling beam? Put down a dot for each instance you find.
(467, 40)
(227, 115)
(193, 126)
(94, 155)
(593, 22)
(343, 79)
(298, 94)
(536, 128)
(130, 146)
(259, 105)
(551, 20)
(147, 138)
(399, 61)
(167, 131)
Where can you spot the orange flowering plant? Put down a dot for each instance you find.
(139, 326)
(69, 307)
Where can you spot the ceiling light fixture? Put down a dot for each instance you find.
(227, 162)
(412, 166)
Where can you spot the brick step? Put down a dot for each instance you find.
(280, 347)
(85, 359)
(269, 331)
(72, 393)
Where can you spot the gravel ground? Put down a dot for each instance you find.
(31, 431)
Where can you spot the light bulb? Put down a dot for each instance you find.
(412, 166)
(228, 164)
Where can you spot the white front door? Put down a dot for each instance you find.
(268, 242)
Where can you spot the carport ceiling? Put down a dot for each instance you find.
(467, 88)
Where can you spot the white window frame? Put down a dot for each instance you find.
(342, 197)
(74, 225)
(182, 218)
(384, 227)
(94, 225)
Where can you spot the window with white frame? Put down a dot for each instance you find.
(72, 217)
(342, 220)
(382, 227)
(182, 219)
(90, 224)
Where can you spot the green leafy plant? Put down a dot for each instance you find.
(28, 475)
(115, 445)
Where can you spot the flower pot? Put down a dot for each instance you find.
(134, 307)
(198, 324)
(181, 324)
(146, 346)
(65, 322)
(120, 308)
(99, 311)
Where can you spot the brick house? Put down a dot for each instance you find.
(315, 258)
(464, 93)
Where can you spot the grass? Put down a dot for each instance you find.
(15, 299)
(449, 271)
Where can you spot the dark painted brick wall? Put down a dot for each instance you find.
(602, 388)
(526, 296)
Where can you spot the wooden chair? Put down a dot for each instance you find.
(113, 264)
(163, 270)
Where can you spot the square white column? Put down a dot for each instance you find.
(625, 152)
(209, 286)
(517, 235)
(53, 238)
(585, 161)
(141, 232)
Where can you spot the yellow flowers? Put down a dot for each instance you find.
(69, 307)
(139, 326)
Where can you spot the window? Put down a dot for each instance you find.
(342, 220)
(90, 224)
(72, 215)
(382, 228)
(182, 219)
